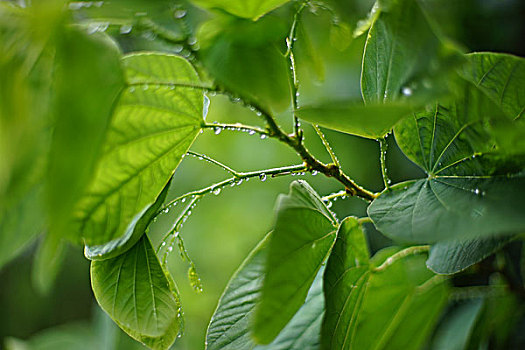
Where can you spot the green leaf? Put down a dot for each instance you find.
(252, 9)
(244, 57)
(139, 295)
(303, 235)
(88, 79)
(371, 121)
(47, 263)
(229, 326)
(457, 326)
(158, 117)
(470, 191)
(394, 306)
(400, 52)
(20, 224)
(136, 229)
(501, 77)
(454, 256)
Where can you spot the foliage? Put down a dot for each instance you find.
(91, 136)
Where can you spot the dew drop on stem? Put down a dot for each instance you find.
(262, 177)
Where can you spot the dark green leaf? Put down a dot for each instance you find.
(252, 9)
(157, 119)
(135, 230)
(87, 81)
(303, 235)
(470, 191)
(371, 121)
(401, 51)
(229, 327)
(456, 329)
(454, 256)
(139, 295)
(394, 306)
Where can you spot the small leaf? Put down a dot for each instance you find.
(229, 326)
(134, 232)
(301, 241)
(157, 119)
(139, 295)
(454, 256)
(252, 9)
(370, 121)
(457, 326)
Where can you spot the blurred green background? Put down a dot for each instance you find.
(224, 228)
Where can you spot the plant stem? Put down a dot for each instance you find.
(236, 127)
(329, 148)
(239, 177)
(382, 149)
(401, 254)
(213, 161)
(335, 195)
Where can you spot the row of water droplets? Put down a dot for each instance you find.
(333, 197)
(219, 128)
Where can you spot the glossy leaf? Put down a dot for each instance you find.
(390, 307)
(229, 326)
(454, 256)
(139, 295)
(401, 49)
(252, 9)
(456, 329)
(87, 82)
(470, 191)
(371, 121)
(303, 235)
(134, 232)
(157, 120)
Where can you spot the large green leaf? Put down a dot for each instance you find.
(393, 306)
(371, 121)
(229, 326)
(135, 230)
(139, 295)
(88, 78)
(454, 256)
(401, 51)
(501, 77)
(470, 191)
(252, 9)
(303, 235)
(158, 117)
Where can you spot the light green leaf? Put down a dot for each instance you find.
(457, 326)
(303, 235)
(229, 326)
(88, 79)
(252, 9)
(371, 121)
(20, 224)
(244, 57)
(47, 263)
(501, 77)
(394, 306)
(134, 232)
(157, 119)
(470, 191)
(454, 256)
(139, 295)
(401, 50)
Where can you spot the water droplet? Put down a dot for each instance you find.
(170, 249)
(406, 91)
(179, 13)
(217, 130)
(183, 200)
(163, 244)
(329, 204)
(239, 182)
(314, 172)
(251, 132)
(263, 136)
(145, 87)
(262, 177)
(476, 191)
(125, 29)
(216, 191)
(177, 48)
(205, 107)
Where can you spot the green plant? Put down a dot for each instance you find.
(109, 130)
